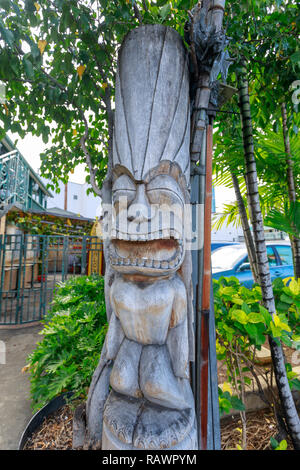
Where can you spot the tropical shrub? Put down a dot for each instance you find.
(242, 327)
(73, 337)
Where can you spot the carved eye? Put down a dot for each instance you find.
(123, 192)
(164, 187)
(124, 183)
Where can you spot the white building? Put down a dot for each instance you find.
(227, 233)
(73, 198)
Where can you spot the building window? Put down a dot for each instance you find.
(75, 197)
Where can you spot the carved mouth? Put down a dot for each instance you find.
(150, 253)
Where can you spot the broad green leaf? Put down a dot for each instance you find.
(251, 330)
(295, 57)
(240, 316)
(165, 10)
(294, 287)
(274, 443)
(255, 317)
(28, 68)
(265, 313)
(276, 332)
(237, 300)
(6, 34)
(237, 404)
(285, 298)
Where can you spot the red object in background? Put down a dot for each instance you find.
(206, 286)
(40, 278)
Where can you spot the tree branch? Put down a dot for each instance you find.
(87, 154)
(83, 138)
(137, 13)
(145, 5)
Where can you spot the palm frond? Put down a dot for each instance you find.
(286, 219)
(229, 216)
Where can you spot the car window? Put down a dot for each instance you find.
(225, 258)
(271, 258)
(285, 253)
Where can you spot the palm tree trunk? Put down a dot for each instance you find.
(246, 228)
(295, 242)
(286, 398)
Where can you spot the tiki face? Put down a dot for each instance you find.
(150, 154)
(147, 229)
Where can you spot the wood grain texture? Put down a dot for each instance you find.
(149, 341)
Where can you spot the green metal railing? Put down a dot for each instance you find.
(14, 178)
(31, 266)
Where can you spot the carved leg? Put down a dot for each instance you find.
(99, 388)
(163, 418)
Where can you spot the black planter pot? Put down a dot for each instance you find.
(40, 415)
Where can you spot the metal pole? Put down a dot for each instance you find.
(206, 286)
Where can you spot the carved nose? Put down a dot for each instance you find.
(139, 210)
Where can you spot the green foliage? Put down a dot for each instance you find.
(229, 402)
(46, 224)
(243, 326)
(58, 61)
(265, 34)
(73, 337)
(282, 445)
(287, 299)
(287, 220)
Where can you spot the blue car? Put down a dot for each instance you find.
(233, 261)
(216, 245)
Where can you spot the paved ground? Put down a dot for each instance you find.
(15, 409)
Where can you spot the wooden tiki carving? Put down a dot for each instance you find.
(141, 388)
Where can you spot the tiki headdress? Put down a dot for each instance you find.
(152, 98)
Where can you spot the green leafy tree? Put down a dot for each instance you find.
(264, 47)
(58, 61)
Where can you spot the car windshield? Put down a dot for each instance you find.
(225, 258)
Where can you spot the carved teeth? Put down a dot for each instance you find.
(172, 263)
(149, 263)
(164, 264)
(156, 264)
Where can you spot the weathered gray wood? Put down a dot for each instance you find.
(150, 338)
(125, 375)
(114, 337)
(79, 426)
(178, 349)
(120, 416)
(131, 423)
(160, 428)
(157, 379)
(152, 118)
